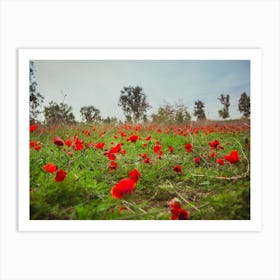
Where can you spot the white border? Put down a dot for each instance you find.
(254, 55)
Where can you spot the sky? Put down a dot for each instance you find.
(98, 83)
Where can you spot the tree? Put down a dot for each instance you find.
(110, 120)
(170, 114)
(58, 114)
(224, 113)
(134, 103)
(90, 114)
(244, 105)
(35, 98)
(199, 112)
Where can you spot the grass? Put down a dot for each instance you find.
(208, 191)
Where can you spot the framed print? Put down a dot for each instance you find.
(139, 139)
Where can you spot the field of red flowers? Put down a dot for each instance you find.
(85, 172)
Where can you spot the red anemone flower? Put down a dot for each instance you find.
(157, 148)
(212, 155)
(50, 167)
(133, 138)
(33, 127)
(147, 160)
(171, 149)
(60, 175)
(134, 175)
(177, 213)
(188, 147)
(58, 141)
(214, 144)
(232, 157)
(100, 145)
(196, 160)
(123, 187)
(112, 156)
(68, 143)
(113, 165)
(177, 168)
(220, 161)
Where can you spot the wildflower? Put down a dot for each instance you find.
(232, 157)
(177, 213)
(50, 167)
(68, 143)
(123, 187)
(100, 145)
(196, 160)
(177, 168)
(60, 175)
(58, 141)
(134, 175)
(33, 127)
(157, 148)
(133, 138)
(171, 149)
(113, 165)
(214, 144)
(111, 156)
(212, 155)
(188, 147)
(220, 161)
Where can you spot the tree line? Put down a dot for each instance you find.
(134, 104)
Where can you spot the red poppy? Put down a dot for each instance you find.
(214, 144)
(145, 145)
(196, 160)
(32, 144)
(79, 145)
(157, 148)
(220, 161)
(188, 147)
(60, 175)
(116, 149)
(68, 143)
(100, 145)
(58, 141)
(177, 213)
(147, 160)
(113, 165)
(134, 175)
(33, 127)
(50, 167)
(249, 146)
(171, 149)
(177, 168)
(133, 138)
(37, 147)
(149, 138)
(123, 187)
(123, 152)
(212, 155)
(232, 157)
(112, 156)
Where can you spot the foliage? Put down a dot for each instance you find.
(199, 112)
(36, 99)
(134, 103)
(90, 114)
(58, 114)
(224, 113)
(208, 190)
(244, 105)
(172, 114)
(110, 120)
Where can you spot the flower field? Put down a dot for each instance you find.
(141, 172)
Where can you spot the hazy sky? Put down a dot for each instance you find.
(99, 83)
